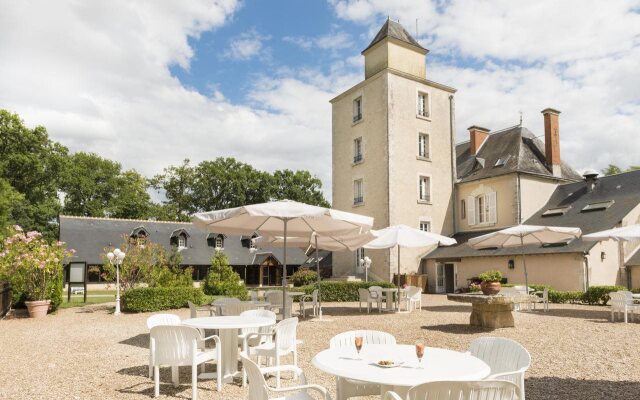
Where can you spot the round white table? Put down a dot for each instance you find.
(437, 365)
(228, 328)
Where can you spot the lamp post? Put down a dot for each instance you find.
(116, 258)
(367, 264)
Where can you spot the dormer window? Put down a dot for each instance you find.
(215, 240)
(598, 206)
(219, 242)
(182, 241)
(138, 236)
(179, 238)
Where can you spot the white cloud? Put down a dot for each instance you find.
(246, 46)
(332, 41)
(504, 57)
(97, 76)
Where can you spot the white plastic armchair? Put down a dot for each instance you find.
(218, 303)
(412, 298)
(259, 390)
(508, 359)
(375, 294)
(310, 299)
(236, 308)
(274, 298)
(346, 388)
(460, 390)
(364, 296)
(284, 342)
(157, 320)
(622, 302)
(544, 299)
(246, 344)
(177, 346)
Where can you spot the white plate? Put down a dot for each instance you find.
(394, 365)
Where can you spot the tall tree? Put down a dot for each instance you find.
(611, 170)
(177, 184)
(131, 199)
(31, 164)
(299, 186)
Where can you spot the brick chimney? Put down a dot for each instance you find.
(477, 135)
(552, 140)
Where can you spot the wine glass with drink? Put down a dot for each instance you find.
(358, 343)
(419, 352)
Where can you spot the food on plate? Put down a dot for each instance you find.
(385, 362)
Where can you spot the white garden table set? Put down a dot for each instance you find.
(228, 327)
(437, 365)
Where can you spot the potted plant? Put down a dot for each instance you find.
(490, 282)
(36, 264)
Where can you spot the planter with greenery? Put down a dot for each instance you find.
(490, 282)
(35, 269)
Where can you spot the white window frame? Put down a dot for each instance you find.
(440, 284)
(424, 222)
(482, 209)
(359, 253)
(182, 241)
(424, 196)
(423, 104)
(358, 195)
(357, 109)
(358, 150)
(424, 150)
(219, 242)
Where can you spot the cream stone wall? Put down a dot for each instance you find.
(562, 271)
(607, 271)
(506, 206)
(635, 276)
(372, 170)
(405, 167)
(630, 219)
(397, 55)
(535, 192)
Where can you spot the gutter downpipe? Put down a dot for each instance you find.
(454, 173)
(585, 281)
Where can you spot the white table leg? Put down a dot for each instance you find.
(400, 390)
(229, 355)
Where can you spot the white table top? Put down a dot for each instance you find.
(228, 322)
(437, 365)
(636, 295)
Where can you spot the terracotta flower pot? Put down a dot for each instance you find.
(38, 308)
(490, 288)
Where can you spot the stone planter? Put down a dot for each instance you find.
(38, 308)
(490, 288)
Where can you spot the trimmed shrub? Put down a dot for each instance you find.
(556, 296)
(342, 291)
(303, 277)
(600, 294)
(159, 298)
(222, 280)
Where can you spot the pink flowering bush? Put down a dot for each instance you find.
(33, 266)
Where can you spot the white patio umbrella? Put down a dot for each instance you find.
(521, 235)
(629, 233)
(405, 236)
(325, 242)
(284, 218)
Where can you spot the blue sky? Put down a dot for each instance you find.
(152, 83)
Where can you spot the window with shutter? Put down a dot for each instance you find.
(491, 207)
(471, 212)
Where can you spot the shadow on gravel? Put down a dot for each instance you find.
(456, 328)
(605, 314)
(543, 388)
(183, 391)
(465, 309)
(141, 340)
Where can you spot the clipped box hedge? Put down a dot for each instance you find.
(342, 291)
(159, 298)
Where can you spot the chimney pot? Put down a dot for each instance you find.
(552, 140)
(477, 136)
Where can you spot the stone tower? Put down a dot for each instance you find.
(392, 149)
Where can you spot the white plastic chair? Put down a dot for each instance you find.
(284, 343)
(508, 359)
(220, 302)
(364, 296)
(412, 298)
(259, 390)
(157, 320)
(193, 310)
(254, 295)
(346, 388)
(236, 308)
(313, 300)
(460, 390)
(375, 293)
(255, 341)
(622, 302)
(274, 298)
(176, 346)
(544, 300)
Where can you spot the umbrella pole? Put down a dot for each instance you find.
(318, 270)
(284, 273)
(524, 263)
(398, 296)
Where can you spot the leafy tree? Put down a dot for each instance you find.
(222, 280)
(11, 203)
(299, 186)
(31, 164)
(177, 184)
(131, 199)
(611, 170)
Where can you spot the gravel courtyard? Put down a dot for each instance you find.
(87, 353)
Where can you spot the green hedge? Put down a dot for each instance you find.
(600, 294)
(560, 297)
(158, 298)
(342, 291)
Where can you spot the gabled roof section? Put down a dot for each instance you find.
(634, 259)
(622, 189)
(394, 30)
(517, 147)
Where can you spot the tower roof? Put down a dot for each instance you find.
(395, 30)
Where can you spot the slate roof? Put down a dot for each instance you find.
(326, 259)
(89, 236)
(623, 189)
(635, 259)
(525, 154)
(395, 30)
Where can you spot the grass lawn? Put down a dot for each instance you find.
(93, 297)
